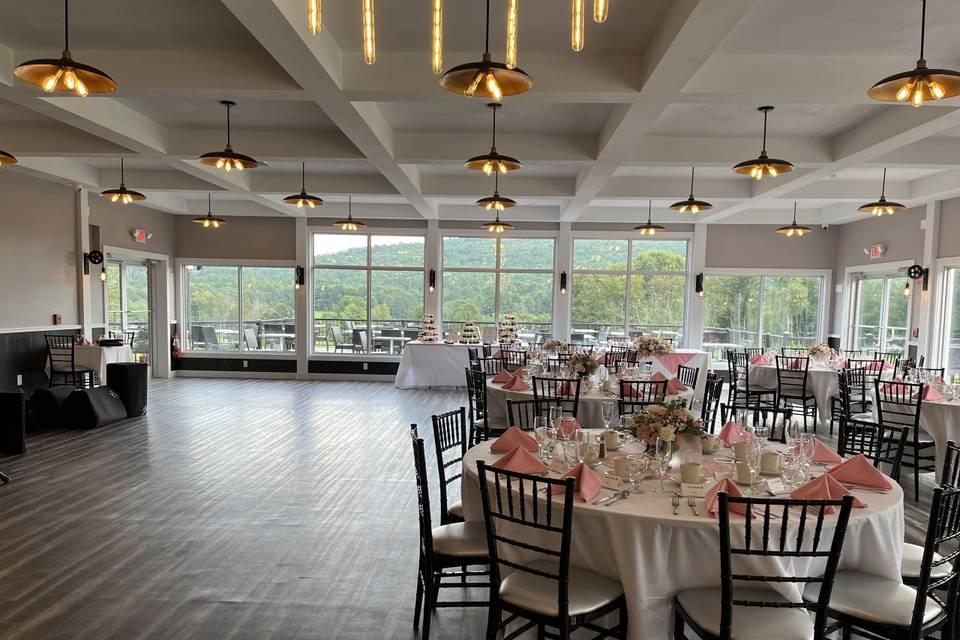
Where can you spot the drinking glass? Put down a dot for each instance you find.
(792, 468)
(556, 412)
(602, 374)
(662, 455)
(568, 428)
(608, 411)
(754, 453)
(808, 448)
(626, 428)
(635, 472)
(571, 453)
(793, 432)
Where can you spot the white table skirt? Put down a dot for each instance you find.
(433, 365)
(941, 420)
(96, 357)
(589, 410)
(655, 554)
(823, 382)
(699, 359)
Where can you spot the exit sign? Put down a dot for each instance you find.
(877, 251)
(139, 235)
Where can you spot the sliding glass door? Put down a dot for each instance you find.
(950, 341)
(129, 313)
(881, 313)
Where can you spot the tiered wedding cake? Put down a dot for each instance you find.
(428, 329)
(508, 331)
(470, 334)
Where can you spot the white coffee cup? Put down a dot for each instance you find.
(770, 461)
(620, 466)
(711, 444)
(740, 450)
(611, 439)
(690, 472)
(743, 473)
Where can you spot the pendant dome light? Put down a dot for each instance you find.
(496, 202)
(304, 199)
(497, 226)
(691, 204)
(763, 165)
(349, 224)
(228, 159)
(122, 194)
(485, 78)
(648, 228)
(493, 161)
(209, 221)
(882, 207)
(919, 84)
(65, 73)
(6, 158)
(794, 229)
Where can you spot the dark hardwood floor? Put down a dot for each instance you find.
(233, 509)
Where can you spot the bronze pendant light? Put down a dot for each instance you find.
(497, 226)
(228, 159)
(493, 161)
(349, 224)
(122, 194)
(496, 201)
(304, 199)
(648, 228)
(882, 207)
(486, 79)
(763, 165)
(919, 84)
(209, 221)
(6, 158)
(691, 204)
(794, 229)
(65, 73)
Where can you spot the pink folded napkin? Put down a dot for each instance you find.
(761, 360)
(675, 387)
(521, 461)
(517, 384)
(824, 488)
(502, 377)
(930, 393)
(824, 454)
(937, 380)
(858, 470)
(712, 501)
(586, 482)
(732, 432)
(566, 389)
(657, 376)
(514, 437)
(671, 361)
(887, 366)
(895, 387)
(796, 363)
(844, 364)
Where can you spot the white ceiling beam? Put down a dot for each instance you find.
(447, 148)
(61, 170)
(479, 186)
(702, 151)
(322, 184)
(311, 146)
(940, 186)
(56, 140)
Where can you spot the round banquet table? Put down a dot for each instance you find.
(822, 381)
(655, 554)
(941, 420)
(589, 411)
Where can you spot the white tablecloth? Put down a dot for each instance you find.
(589, 411)
(822, 381)
(93, 356)
(433, 365)
(940, 419)
(667, 365)
(655, 554)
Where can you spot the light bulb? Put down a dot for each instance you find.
(936, 89)
(906, 289)
(502, 168)
(311, 204)
(488, 168)
(219, 163)
(114, 198)
(369, 33)
(70, 79)
(238, 165)
(50, 84)
(216, 225)
(314, 19)
(918, 95)
(103, 274)
(437, 36)
(472, 87)
(905, 91)
(81, 89)
(576, 27)
(600, 9)
(512, 28)
(206, 223)
(494, 87)
(772, 171)
(694, 209)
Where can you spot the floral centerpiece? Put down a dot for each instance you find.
(554, 345)
(583, 364)
(652, 346)
(821, 351)
(666, 420)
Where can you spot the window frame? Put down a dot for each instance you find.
(940, 351)
(184, 292)
(849, 312)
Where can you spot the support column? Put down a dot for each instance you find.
(561, 301)
(303, 301)
(926, 319)
(84, 303)
(693, 335)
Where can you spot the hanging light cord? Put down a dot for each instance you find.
(692, 169)
(883, 185)
(763, 151)
(493, 146)
(209, 205)
(649, 212)
(303, 177)
(486, 46)
(228, 125)
(496, 183)
(122, 185)
(923, 26)
(66, 25)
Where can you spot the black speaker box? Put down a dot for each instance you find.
(13, 422)
(129, 380)
(91, 408)
(44, 408)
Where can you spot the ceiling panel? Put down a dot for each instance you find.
(515, 117)
(725, 120)
(204, 113)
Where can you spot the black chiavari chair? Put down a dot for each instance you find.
(792, 379)
(854, 354)
(554, 391)
(890, 357)
(521, 413)
(449, 546)
(750, 351)
(743, 393)
(899, 404)
(514, 359)
(688, 375)
(775, 420)
(635, 395)
(451, 436)
(615, 355)
(61, 356)
(481, 424)
(486, 350)
(546, 590)
(490, 366)
(751, 609)
(473, 354)
(880, 444)
(930, 372)
(951, 465)
(712, 394)
(869, 606)
(852, 400)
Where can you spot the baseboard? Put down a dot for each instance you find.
(267, 375)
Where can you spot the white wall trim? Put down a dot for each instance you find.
(40, 328)
(241, 355)
(871, 268)
(273, 375)
(222, 262)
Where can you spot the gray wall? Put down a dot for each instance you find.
(242, 238)
(949, 241)
(37, 252)
(758, 246)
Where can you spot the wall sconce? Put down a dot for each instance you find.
(906, 289)
(916, 272)
(298, 277)
(433, 280)
(103, 274)
(698, 286)
(93, 257)
(563, 283)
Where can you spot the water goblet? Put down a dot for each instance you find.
(808, 448)
(555, 414)
(608, 411)
(792, 432)
(571, 453)
(636, 469)
(792, 467)
(568, 428)
(662, 454)
(754, 454)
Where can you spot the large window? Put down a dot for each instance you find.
(761, 311)
(231, 308)
(950, 347)
(485, 279)
(880, 313)
(367, 292)
(627, 288)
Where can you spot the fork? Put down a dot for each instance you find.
(676, 505)
(692, 503)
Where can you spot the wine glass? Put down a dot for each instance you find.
(792, 432)
(808, 448)
(662, 454)
(635, 472)
(754, 454)
(626, 428)
(608, 411)
(572, 455)
(556, 412)
(568, 428)
(792, 467)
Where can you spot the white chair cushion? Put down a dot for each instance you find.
(460, 540)
(588, 591)
(749, 623)
(873, 599)
(913, 557)
(456, 509)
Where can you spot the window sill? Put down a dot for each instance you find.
(370, 357)
(241, 355)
